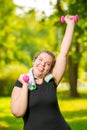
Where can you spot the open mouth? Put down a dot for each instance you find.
(40, 69)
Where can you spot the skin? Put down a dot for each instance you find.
(41, 68)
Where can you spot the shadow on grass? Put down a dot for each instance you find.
(79, 124)
(65, 94)
(11, 123)
(77, 119)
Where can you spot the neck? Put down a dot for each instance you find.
(36, 77)
(38, 80)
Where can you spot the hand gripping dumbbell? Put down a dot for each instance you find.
(26, 78)
(75, 18)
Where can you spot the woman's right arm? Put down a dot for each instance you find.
(19, 99)
(61, 61)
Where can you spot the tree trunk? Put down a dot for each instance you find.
(73, 76)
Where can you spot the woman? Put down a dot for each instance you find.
(39, 106)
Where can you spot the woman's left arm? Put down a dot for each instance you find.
(60, 65)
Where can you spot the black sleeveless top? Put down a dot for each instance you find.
(43, 111)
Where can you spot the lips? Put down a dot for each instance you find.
(40, 69)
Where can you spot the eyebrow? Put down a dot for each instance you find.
(43, 59)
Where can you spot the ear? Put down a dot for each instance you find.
(34, 60)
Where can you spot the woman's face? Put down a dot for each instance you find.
(42, 64)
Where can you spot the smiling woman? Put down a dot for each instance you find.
(40, 5)
(37, 97)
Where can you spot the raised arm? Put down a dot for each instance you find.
(67, 40)
(60, 65)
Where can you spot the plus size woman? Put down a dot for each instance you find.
(36, 101)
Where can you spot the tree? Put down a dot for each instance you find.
(79, 40)
(20, 38)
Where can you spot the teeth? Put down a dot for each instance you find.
(41, 69)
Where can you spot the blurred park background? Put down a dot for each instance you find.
(28, 26)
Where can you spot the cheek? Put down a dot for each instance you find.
(35, 63)
(47, 68)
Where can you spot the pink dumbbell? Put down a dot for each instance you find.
(75, 18)
(26, 78)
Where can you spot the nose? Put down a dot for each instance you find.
(43, 63)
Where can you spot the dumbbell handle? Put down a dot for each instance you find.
(26, 78)
(75, 18)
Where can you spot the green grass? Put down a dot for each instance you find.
(7, 120)
(73, 109)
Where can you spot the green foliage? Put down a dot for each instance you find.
(23, 35)
(78, 49)
(74, 109)
(7, 121)
(6, 29)
(8, 76)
